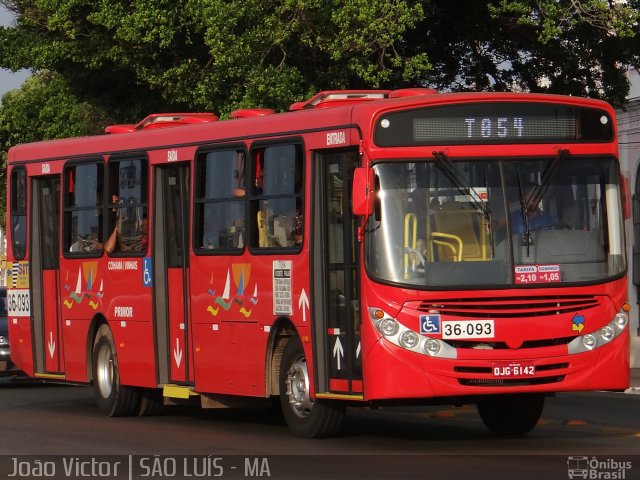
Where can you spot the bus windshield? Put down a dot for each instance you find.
(499, 222)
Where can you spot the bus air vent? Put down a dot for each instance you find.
(509, 382)
(340, 98)
(509, 307)
(412, 92)
(251, 112)
(163, 120)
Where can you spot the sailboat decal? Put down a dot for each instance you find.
(77, 295)
(254, 297)
(225, 300)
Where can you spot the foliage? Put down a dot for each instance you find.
(43, 108)
(212, 54)
(132, 57)
(557, 46)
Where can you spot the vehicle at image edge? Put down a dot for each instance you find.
(6, 365)
(366, 248)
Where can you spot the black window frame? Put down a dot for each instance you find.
(18, 211)
(254, 196)
(200, 200)
(67, 209)
(110, 206)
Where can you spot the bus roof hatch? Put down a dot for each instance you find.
(339, 98)
(163, 120)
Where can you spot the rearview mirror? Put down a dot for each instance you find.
(362, 193)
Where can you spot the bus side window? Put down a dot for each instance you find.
(220, 201)
(83, 222)
(277, 197)
(18, 213)
(127, 213)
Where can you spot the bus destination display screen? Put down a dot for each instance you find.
(493, 123)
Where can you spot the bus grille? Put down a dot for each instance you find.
(509, 382)
(548, 342)
(509, 307)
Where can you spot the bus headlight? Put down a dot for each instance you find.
(599, 338)
(432, 346)
(409, 339)
(621, 319)
(400, 335)
(589, 341)
(389, 327)
(607, 333)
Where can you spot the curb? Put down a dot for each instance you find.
(633, 390)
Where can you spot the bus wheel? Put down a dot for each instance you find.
(151, 403)
(304, 416)
(112, 398)
(511, 415)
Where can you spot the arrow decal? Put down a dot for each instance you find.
(51, 345)
(578, 323)
(303, 304)
(338, 351)
(177, 353)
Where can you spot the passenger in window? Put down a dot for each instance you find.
(536, 217)
(299, 224)
(144, 233)
(112, 241)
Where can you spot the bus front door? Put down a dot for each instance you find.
(45, 278)
(336, 284)
(171, 264)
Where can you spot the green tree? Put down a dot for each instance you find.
(575, 47)
(132, 57)
(135, 56)
(44, 108)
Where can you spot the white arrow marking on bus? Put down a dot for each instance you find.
(303, 304)
(338, 351)
(51, 344)
(177, 353)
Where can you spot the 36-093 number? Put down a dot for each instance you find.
(468, 329)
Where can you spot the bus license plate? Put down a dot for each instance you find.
(513, 369)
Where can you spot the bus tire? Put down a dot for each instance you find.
(113, 398)
(305, 417)
(511, 415)
(151, 402)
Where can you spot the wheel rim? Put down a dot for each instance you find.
(104, 371)
(298, 388)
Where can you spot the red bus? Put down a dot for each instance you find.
(366, 248)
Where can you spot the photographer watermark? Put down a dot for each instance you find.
(596, 468)
(129, 467)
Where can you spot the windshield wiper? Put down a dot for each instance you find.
(539, 190)
(462, 184)
(530, 205)
(527, 241)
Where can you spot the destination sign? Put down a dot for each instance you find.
(493, 123)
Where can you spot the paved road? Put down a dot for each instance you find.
(63, 422)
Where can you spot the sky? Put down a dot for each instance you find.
(9, 80)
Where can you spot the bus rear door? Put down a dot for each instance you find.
(45, 270)
(171, 263)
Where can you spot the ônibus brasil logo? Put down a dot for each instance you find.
(596, 469)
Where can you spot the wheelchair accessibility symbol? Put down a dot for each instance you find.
(147, 272)
(429, 324)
